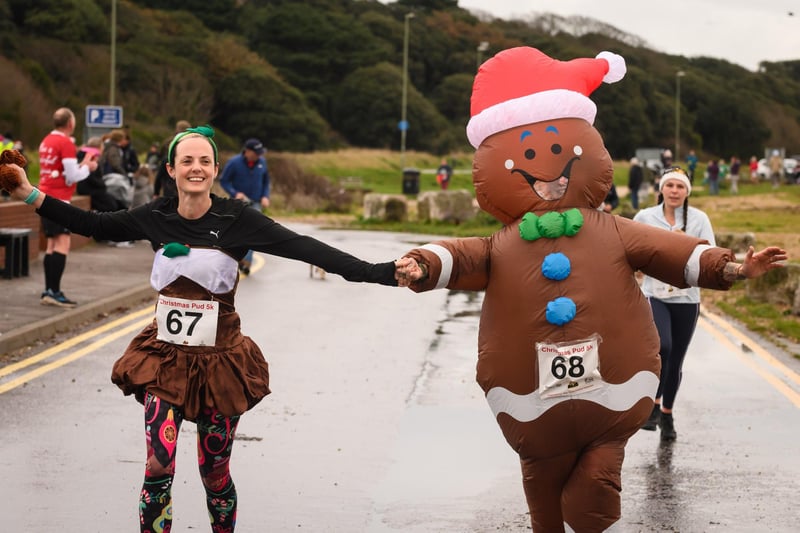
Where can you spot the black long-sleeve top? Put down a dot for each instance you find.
(228, 226)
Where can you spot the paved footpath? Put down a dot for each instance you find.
(101, 278)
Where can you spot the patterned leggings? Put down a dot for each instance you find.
(215, 435)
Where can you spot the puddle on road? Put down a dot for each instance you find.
(450, 462)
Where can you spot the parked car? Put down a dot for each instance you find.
(790, 168)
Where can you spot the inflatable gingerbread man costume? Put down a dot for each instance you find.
(568, 353)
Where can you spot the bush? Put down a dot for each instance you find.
(306, 192)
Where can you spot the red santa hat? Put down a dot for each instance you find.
(523, 86)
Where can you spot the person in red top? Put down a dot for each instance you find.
(59, 174)
(753, 169)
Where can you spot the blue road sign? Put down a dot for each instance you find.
(402, 125)
(108, 116)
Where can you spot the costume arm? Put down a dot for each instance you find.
(657, 252)
(674, 257)
(461, 264)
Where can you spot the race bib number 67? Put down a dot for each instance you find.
(187, 322)
(568, 367)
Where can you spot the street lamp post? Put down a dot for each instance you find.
(481, 48)
(403, 121)
(112, 83)
(678, 76)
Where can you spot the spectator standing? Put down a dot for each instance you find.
(443, 174)
(115, 174)
(93, 186)
(675, 311)
(635, 180)
(6, 142)
(246, 177)
(142, 186)
(691, 164)
(153, 158)
(666, 159)
(753, 169)
(723, 172)
(130, 159)
(733, 174)
(712, 170)
(775, 168)
(164, 185)
(612, 200)
(59, 174)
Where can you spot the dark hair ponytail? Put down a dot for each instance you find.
(685, 213)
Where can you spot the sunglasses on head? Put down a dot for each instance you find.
(674, 169)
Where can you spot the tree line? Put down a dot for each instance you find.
(323, 74)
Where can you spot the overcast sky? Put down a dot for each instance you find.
(744, 32)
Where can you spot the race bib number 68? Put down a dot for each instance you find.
(568, 367)
(187, 322)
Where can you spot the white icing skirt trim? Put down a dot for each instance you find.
(528, 407)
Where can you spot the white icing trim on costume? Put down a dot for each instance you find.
(446, 259)
(691, 272)
(528, 407)
(211, 269)
(529, 109)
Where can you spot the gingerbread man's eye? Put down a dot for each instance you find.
(556, 149)
(530, 153)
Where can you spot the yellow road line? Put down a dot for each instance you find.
(758, 350)
(73, 356)
(19, 365)
(779, 385)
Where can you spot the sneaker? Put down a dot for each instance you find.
(57, 299)
(668, 432)
(652, 421)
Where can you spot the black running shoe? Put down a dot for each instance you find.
(668, 432)
(57, 299)
(652, 421)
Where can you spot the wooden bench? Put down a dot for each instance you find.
(16, 242)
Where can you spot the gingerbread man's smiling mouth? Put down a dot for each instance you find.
(549, 190)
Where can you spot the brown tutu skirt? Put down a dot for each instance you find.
(230, 379)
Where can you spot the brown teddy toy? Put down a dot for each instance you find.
(9, 179)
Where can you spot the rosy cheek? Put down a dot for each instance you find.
(509, 164)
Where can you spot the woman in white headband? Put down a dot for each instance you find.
(675, 310)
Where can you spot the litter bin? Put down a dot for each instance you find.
(410, 181)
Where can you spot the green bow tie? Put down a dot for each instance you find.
(551, 225)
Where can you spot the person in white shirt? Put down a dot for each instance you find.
(675, 311)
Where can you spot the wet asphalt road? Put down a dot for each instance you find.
(376, 424)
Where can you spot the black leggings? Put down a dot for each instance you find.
(215, 434)
(676, 324)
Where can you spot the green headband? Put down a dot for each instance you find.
(206, 131)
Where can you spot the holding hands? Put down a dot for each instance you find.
(407, 271)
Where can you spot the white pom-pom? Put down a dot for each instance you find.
(616, 66)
